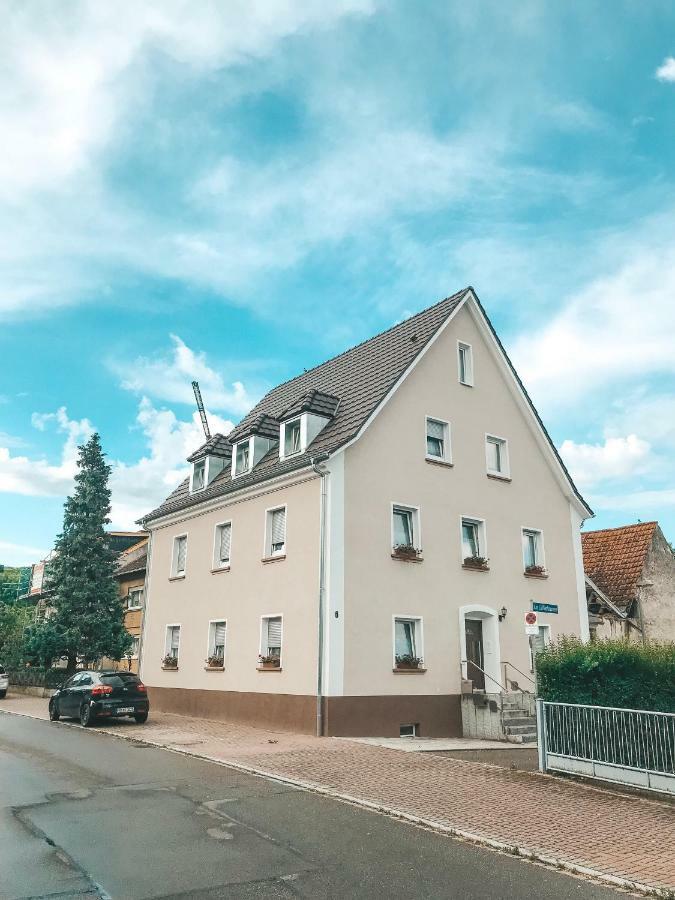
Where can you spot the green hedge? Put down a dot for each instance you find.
(608, 673)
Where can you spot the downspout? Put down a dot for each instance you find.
(146, 594)
(323, 473)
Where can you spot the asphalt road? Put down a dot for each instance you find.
(88, 815)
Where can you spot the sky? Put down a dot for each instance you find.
(235, 192)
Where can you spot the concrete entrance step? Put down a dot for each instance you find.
(529, 738)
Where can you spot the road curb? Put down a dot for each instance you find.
(514, 850)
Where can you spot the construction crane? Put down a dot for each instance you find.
(200, 407)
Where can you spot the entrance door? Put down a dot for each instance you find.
(475, 660)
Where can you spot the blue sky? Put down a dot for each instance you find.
(235, 192)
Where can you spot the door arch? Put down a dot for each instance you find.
(489, 620)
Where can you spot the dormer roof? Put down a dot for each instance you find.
(217, 445)
(314, 401)
(263, 425)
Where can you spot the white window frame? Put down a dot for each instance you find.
(235, 448)
(200, 462)
(263, 635)
(418, 638)
(302, 428)
(167, 641)
(267, 547)
(482, 535)
(217, 564)
(416, 523)
(135, 590)
(174, 556)
(505, 472)
(447, 440)
(541, 553)
(468, 349)
(137, 637)
(211, 637)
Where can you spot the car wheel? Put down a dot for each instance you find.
(54, 713)
(141, 718)
(3, 694)
(86, 717)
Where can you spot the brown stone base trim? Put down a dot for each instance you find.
(284, 712)
(436, 715)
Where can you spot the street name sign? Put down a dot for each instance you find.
(545, 607)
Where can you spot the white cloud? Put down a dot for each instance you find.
(19, 554)
(75, 71)
(139, 487)
(37, 477)
(619, 326)
(171, 379)
(75, 77)
(616, 458)
(666, 71)
(136, 487)
(639, 503)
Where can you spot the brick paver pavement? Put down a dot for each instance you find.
(579, 826)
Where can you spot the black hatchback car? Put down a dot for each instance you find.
(90, 695)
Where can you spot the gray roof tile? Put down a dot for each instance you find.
(360, 377)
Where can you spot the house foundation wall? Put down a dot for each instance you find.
(382, 716)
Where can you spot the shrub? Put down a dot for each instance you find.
(608, 673)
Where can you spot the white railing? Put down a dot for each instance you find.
(628, 746)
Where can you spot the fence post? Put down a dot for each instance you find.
(541, 733)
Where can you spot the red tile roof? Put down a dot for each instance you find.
(615, 557)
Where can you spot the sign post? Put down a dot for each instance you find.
(531, 630)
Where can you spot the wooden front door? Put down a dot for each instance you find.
(475, 661)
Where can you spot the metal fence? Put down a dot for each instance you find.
(32, 676)
(629, 746)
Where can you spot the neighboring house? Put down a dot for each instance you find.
(630, 582)
(130, 578)
(366, 541)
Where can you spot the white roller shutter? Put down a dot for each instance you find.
(181, 553)
(219, 634)
(225, 541)
(274, 633)
(435, 429)
(278, 530)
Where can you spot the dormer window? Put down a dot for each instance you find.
(208, 462)
(242, 457)
(292, 437)
(199, 476)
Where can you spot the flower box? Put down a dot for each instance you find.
(215, 662)
(536, 571)
(409, 662)
(406, 551)
(269, 662)
(476, 562)
(170, 662)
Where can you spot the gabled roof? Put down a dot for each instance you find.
(363, 378)
(264, 425)
(134, 560)
(614, 558)
(217, 445)
(315, 402)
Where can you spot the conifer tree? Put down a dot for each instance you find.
(85, 619)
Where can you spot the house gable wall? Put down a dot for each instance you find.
(657, 596)
(387, 465)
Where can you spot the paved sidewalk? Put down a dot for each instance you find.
(620, 838)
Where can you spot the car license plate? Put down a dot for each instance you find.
(124, 709)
